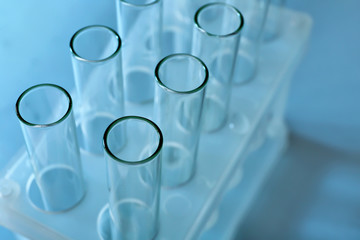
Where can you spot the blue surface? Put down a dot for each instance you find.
(324, 98)
(323, 109)
(6, 234)
(313, 192)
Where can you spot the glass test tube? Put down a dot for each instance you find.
(132, 147)
(179, 95)
(47, 122)
(215, 41)
(177, 25)
(273, 23)
(255, 12)
(96, 60)
(139, 24)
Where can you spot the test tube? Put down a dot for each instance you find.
(179, 96)
(177, 24)
(215, 41)
(132, 151)
(274, 20)
(46, 119)
(139, 25)
(255, 12)
(96, 60)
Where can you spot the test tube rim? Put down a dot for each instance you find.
(77, 56)
(67, 113)
(200, 28)
(162, 85)
(139, 162)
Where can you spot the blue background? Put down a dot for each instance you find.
(313, 192)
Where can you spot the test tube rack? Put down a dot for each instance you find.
(232, 163)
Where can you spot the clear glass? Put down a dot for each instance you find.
(274, 20)
(132, 147)
(215, 41)
(178, 20)
(255, 12)
(179, 96)
(96, 60)
(139, 24)
(47, 122)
